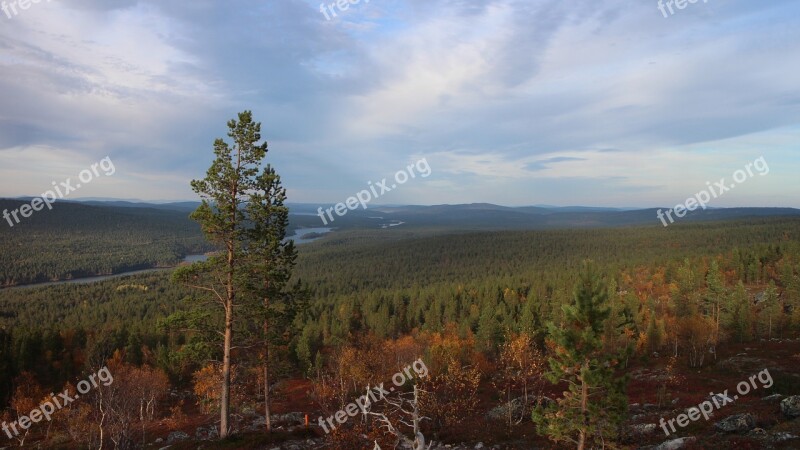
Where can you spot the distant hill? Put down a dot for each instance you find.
(169, 206)
(474, 216)
(485, 216)
(178, 206)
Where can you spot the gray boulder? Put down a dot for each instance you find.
(790, 406)
(784, 436)
(516, 407)
(177, 436)
(643, 428)
(737, 423)
(675, 444)
(206, 434)
(289, 418)
(519, 410)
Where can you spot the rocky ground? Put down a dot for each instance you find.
(765, 418)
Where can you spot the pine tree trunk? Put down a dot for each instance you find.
(225, 397)
(266, 362)
(224, 407)
(584, 413)
(266, 385)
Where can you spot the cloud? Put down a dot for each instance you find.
(545, 163)
(503, 96)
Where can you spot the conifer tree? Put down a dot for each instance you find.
(741, 319)
(489, 331)
(270, 259)
(242, 213)
(593, 407)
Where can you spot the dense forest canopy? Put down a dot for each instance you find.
(482, 294)
(433, 280)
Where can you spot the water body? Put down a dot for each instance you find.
(394, 223)
(299, 238)
(300, 235)
(195, 258)
(86, 280)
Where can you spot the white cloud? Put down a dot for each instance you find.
(484, 89)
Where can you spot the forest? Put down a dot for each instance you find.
(75, 240)
(476, 307)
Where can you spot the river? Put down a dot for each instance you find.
(299, 238)
(98, 278)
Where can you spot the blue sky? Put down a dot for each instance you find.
(514, 102)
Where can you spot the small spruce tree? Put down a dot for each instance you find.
(592, 409)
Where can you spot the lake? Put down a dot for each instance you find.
(299, 236)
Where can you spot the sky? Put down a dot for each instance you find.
(512, 102)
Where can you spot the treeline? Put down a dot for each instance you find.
(74, 241)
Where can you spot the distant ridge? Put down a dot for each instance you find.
(169, 206)
(486, 216)
(176, 206)
(473, 216)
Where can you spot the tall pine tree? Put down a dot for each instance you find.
(242, 213)
(270, 259)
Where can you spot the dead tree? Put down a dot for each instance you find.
(403, 410)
